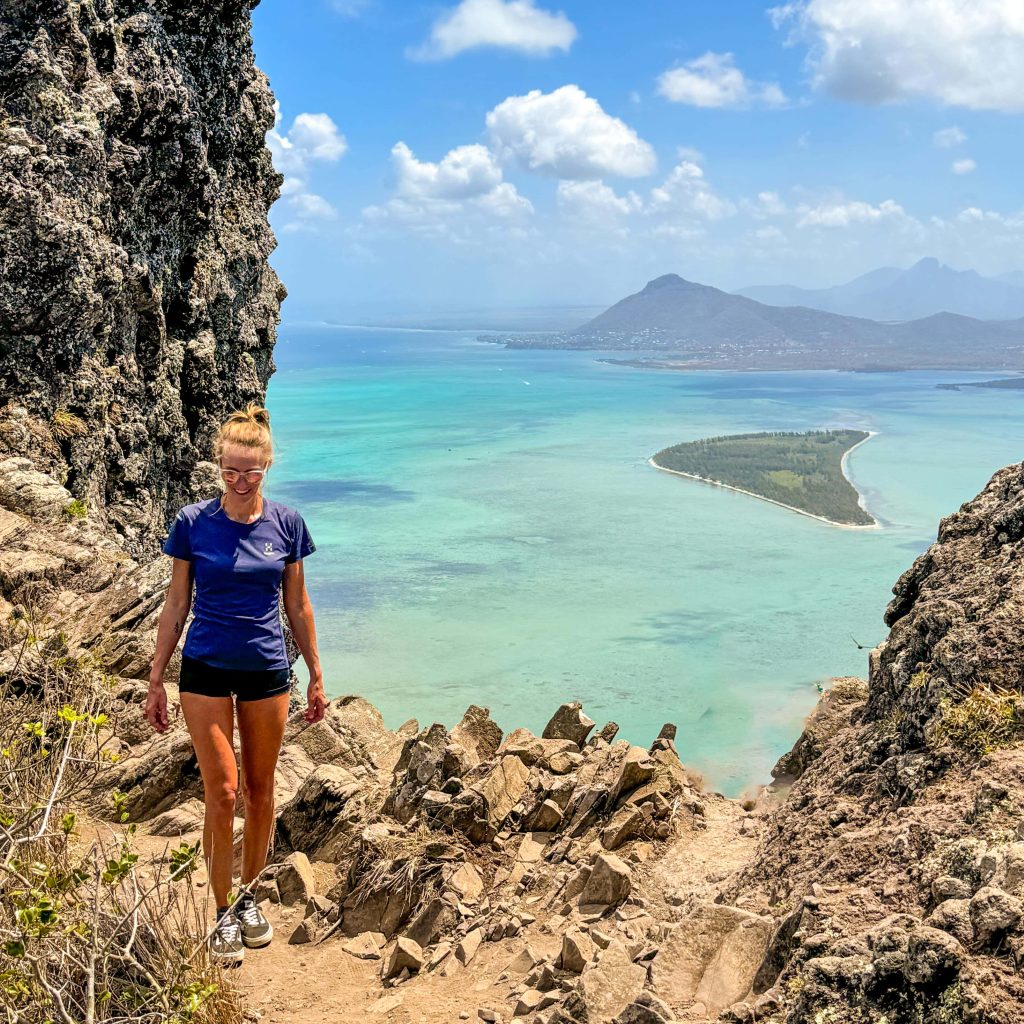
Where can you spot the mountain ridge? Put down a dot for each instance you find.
(701, 327)
(892, 293)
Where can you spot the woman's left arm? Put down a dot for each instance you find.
(299, 610)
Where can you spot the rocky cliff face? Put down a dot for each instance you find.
(136, 302)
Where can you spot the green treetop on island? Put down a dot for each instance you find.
(802, 471)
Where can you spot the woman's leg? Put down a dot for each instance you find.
(260, 730)
(210, 722)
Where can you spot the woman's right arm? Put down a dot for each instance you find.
(169, 630)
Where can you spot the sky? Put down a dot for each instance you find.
(471, 154)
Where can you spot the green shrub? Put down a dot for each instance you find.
(986, 719)
(85, 936)
(77, 509)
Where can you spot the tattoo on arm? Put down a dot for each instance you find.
(177, 628)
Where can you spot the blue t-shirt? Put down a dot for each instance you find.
(238, 568)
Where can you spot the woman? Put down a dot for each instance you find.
(241, 551)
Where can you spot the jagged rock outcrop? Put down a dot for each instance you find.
(896, 852)
(955, 617)
(137, 305)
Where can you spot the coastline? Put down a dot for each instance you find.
(874, 525)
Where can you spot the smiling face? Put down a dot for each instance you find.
(237, 460)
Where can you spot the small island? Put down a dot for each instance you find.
(804, 472)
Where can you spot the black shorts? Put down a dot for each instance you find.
(211, 681)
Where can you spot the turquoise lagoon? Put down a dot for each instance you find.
(489, 531)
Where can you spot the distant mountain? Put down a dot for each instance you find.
(892, 294)
(1014, 277)
(698, 326)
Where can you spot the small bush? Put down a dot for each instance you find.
(85, 936)
(986, 719)
(77, 509)
(66, 425)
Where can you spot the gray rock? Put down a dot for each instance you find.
(948, 887)
(477, 734)
(993, 912)
(608, 883)
(569, 723)
(953, 916)
(933, 958)
(305, 931)
(365, 945)
(295, 881)
(114, 308)
(578, 950)
(467, 948)
(406, 955)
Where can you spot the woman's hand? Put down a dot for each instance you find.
(317, 701)
(156, 705)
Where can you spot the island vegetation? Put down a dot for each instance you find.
(802, 471)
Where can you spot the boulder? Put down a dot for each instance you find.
(608, 883)
(578, 950)
(365, 945)
(993, 912)
(637, 769)
(322, 815)
(933, 958)
(467, 948)
(430, 923)
(564, 762)
(948, 887)
(1004, 868)
(477, 734)
(178, 821)
(305, 931)
(645, 1009)
(467, 883)
(728, 977)
(531, 1001)
(295, 881)
(383, 909)
(695, 944)
(406, 955)
(625, 823)
(954, 917)
(502, 788)
(547, 817)
(609, 986)
(533, 750)
(569, 723)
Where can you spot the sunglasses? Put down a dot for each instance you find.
(252, 476)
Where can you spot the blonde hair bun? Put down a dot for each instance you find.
(248, 427)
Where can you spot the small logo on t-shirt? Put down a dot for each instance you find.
(268, 548)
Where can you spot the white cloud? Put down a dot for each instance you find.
(964, 166)
(714, 81)
(457, 198)
(767, 204)
(686, 192)
(595, 204)
(504, 24)
(565, 133)
(463, 173)
(965, 54)
(349, 8)
(841, 214)
(309, 212)
(947, 138)
(312, 138)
